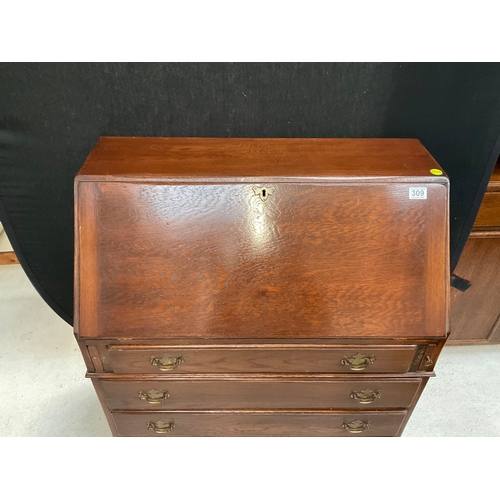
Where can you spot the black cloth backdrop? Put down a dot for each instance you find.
(52, 114)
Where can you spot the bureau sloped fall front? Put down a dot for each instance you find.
(260, 287)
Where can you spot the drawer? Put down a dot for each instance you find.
(489, 211)
(268, 393)
(261, 359)
(301, 423)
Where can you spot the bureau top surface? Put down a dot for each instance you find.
(203, 159)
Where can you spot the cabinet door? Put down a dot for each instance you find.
(475, 313)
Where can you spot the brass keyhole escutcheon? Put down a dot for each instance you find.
(263, 192)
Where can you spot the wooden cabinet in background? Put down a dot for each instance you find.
(475, 314)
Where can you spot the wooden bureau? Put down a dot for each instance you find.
(260, 287)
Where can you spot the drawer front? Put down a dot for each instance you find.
(259, 394)
(261, 359)
(259, 423)
(489, 211)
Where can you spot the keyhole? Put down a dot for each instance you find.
(263, 192)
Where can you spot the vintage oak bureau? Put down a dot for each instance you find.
(260, 287)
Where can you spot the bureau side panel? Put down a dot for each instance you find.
(437, 267)
(87, 275)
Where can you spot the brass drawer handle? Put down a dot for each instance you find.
(366, 396)
(356, 426)
(161, 427)
(154, 397)
(167, 363)
(358, 361)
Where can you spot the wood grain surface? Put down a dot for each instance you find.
(199, 159)
(8, 258)
(263, 423)
(268, 393)
(261, 358)
(323, 261)
(475, 313)
(489, 211)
